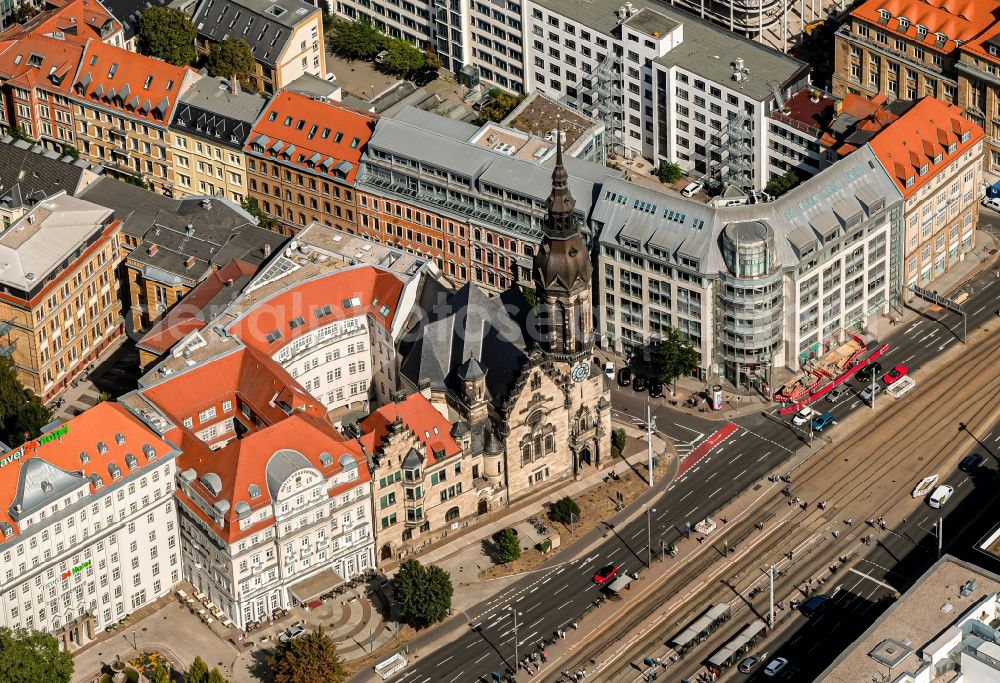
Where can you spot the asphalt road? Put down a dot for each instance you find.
(756, 445)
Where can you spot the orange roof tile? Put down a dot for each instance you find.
(89, 446)
(320, 137)
(986, 45)
(297, 311)
(961, 20)
(926, 129)
(430, 427)
(75, 22)
(136, 85)
(40, 61)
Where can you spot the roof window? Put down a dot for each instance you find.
(312, 132)
(35, 60)
(272, 116)
(147, 83)
(114, 69)
(254, 491)
(119, 438)
(102, 447)
(324, 311)
(384, 311)
(274, 336)
(288, 120)
(296, 322)
(275, 10)
(300, 125)
(338, 137)
(84, 457)
(115, 471)
(325, 134)
(93, 60)
(131, 461)
(355, 142)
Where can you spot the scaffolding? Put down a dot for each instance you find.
(600, 97)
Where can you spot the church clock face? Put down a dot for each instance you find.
(581, 372)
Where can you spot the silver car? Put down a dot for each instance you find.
(868, 393)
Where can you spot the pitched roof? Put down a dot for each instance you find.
(127, 12)
(956, 20)
(86, 451)
(266, 25)
(200, 306)
(319, 137)
(211, 109)
(75, 22)
(418, 415)
(30, 173)
(924, 132)
(310, 304)
(135, 85)
(39, 61)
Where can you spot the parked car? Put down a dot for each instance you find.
(894, 375)
(624, 377)
(380, 57)
(691, 189)
(656, 389)
(775, 666)
(821, 422)
(749, 664)
(868, 393)
(639, 383)
(609, 370)
(292, 633)
(425, 76)
(866, 373)
(837, 393)
(803, 416)
(941, 495)
(993, 203)
(605, 574)
(814, 605)
(971, 462)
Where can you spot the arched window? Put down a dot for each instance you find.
(538, 445)
(525, 452)
(550, 444)
(452, 514)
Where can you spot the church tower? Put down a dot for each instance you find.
(562, 272)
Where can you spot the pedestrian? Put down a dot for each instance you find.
(725, 521)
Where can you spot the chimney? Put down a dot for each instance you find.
(189, 262)
(229, 282)
(267, 250)
(152, 249)
(234, 85)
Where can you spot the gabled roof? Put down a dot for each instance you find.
(955, 20)
(39, 61)
(266, 25)
(319, 137)
(84, 452)
(127, 12)
(925, 131)
(76, 21)
(210, 108)
(311, 304)
(29, 173)
(135, 85)
(419, 416)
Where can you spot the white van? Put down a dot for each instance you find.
(940, 496)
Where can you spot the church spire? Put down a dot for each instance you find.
(561, 204)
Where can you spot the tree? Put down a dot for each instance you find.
(232, 57)
(356, 39)
(215, 676)
(198, 672)
(564, 510)
(71, 152)
(530, 296)
(424, 593)
(670, 172)
(499, 105)
(431, 59)
(673, 356)
(311, 658)
(21, 411)
(402, 59)
(168, 34)
(32, 657)
(508, 546)
(782, 184)
(24, 12)
(617, 442)
(157, 673)
(251, 206)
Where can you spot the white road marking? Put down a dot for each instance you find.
(906, 360)
(740, 474)
(457, 676)
(873, 579)
(561, 588)
(738, 456)
(685, 496)
(980, 310)
(568, 602)
(709, 478)
(763, 456)
(447, 659)
(692, 512)
(482, 658)
(941, 348)
(716, 491)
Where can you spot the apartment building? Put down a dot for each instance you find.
(979, 90)
(59, 307)
(123, 103)
(752, 287)
(274, 505)
(171, 244)
(127, 14)
(211, 125)
(424, 480)
(286, 36)
(443, 189)
(36, 79)
(28, 176)
(934, 156)
(76, 21)
(671, 86)
(302, 161)
(88, 529)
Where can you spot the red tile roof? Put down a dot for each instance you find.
(926, 130)
(135, 85)
(430, 427)
(980, 47)
(189, 314)
(83, 434)
(75, 22)
(962, 20)
(319, 137)
(340, 295)
(34, 61)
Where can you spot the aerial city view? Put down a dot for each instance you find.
(494, 341)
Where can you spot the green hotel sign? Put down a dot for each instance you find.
(14, 456)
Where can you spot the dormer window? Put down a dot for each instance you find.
(941, 38)
(254, 491)
(904, 23)
(131, 461)
(909, 181)
(102, 447)
(148, 451)
(923, 170)
(115, 471)
(965, 136)
(84, 457)
(119, 438)
(937, 158)
(921, 31)
(884, 15)
(952, 148)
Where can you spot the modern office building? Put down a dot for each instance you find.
(59, 307)
(753, 287)
(88, 528)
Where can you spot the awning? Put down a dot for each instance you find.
(315, 585)
(620, 584)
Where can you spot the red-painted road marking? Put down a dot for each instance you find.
(706, 446)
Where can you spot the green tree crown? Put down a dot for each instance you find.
(168, 34)
(310, 658)
(32, 657)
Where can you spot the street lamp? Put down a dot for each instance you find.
(649, 538)
(516, 614)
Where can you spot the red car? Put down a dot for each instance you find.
(894, 375)
(605, 574)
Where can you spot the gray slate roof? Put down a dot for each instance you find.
(707, 50)
(29, 173)
(127, 12)
(265, 24)
(210, 109)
